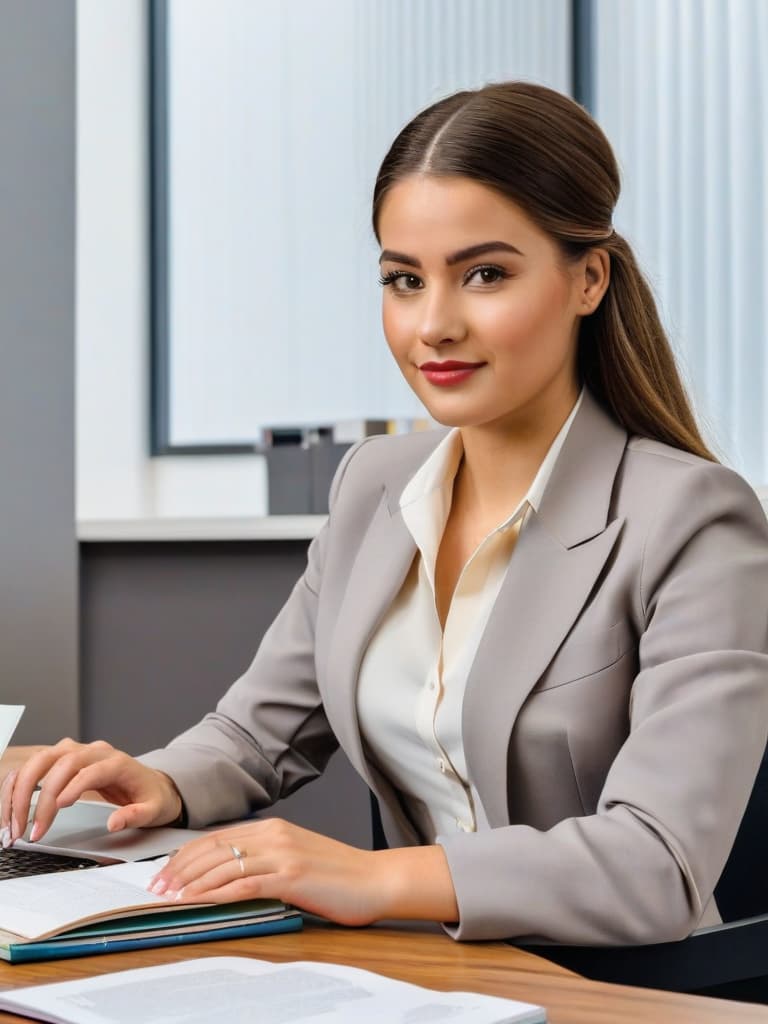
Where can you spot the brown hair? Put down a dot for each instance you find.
(544, 152)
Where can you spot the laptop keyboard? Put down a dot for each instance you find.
(20, 863)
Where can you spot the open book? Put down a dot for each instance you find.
(101, 909)
(226, 989)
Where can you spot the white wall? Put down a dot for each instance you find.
(116, 478)
(682, 91)
(278, 118)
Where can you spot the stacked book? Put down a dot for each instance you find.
(105, 909)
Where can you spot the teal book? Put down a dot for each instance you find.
(115, 940)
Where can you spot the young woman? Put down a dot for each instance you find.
(540, 636)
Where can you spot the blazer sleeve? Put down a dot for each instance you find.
(269, 733)
(642, 868)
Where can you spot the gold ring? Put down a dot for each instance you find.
(238, 855)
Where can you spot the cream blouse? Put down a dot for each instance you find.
(409, 710)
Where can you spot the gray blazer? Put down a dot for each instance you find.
(615, 714)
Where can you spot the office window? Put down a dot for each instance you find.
(275, 118)
(682, 91)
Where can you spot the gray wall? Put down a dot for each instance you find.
(165, 627)
(38, 552)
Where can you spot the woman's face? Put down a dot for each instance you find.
(480, 310)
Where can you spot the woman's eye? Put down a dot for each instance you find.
(401, 281)
(485, 275)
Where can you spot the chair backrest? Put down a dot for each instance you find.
(742, 890)
(743, 887)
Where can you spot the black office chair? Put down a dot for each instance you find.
(729, 960)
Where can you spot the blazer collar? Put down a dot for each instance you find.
(576, 503)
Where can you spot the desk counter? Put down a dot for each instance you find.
(166, 528)
(161, 528)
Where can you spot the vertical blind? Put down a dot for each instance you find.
(681, 89)
(278, 117)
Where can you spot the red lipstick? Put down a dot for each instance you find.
(448, 372)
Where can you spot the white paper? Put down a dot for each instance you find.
(9, 719)
(41, 904)
(239, 990)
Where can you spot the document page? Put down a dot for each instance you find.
(238, 990)
(41, 905)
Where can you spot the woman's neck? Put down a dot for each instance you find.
(501, 461)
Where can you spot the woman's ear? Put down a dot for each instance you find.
(595, 280)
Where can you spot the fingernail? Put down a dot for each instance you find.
(158, 887)
(36, 832)
(172, 894)
(179, 894)
(5, 838)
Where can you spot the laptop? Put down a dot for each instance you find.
(78, 837)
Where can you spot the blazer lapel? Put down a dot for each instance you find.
(558, 558)
(376, 576)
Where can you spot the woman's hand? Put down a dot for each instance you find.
(67, 770)
(273, 859)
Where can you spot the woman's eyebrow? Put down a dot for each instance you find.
(457, 257)
(398, 257)
(480, 250)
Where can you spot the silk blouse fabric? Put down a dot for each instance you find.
(413, 674)
(615, 712)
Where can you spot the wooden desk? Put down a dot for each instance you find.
(422, 956)
(433, 960)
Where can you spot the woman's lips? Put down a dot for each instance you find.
(449, 372)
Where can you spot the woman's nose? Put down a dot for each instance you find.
(441, 321)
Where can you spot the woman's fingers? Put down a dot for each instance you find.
(69, 769)
(217, 861)
(6, 791)
(221, 853)
(174, 876)
(213, 869)
(252, 887)
(242, 837)
(113, 773)
(17, 793)
(141, 814)
(65, 782)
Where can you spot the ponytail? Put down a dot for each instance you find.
(626, 361)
